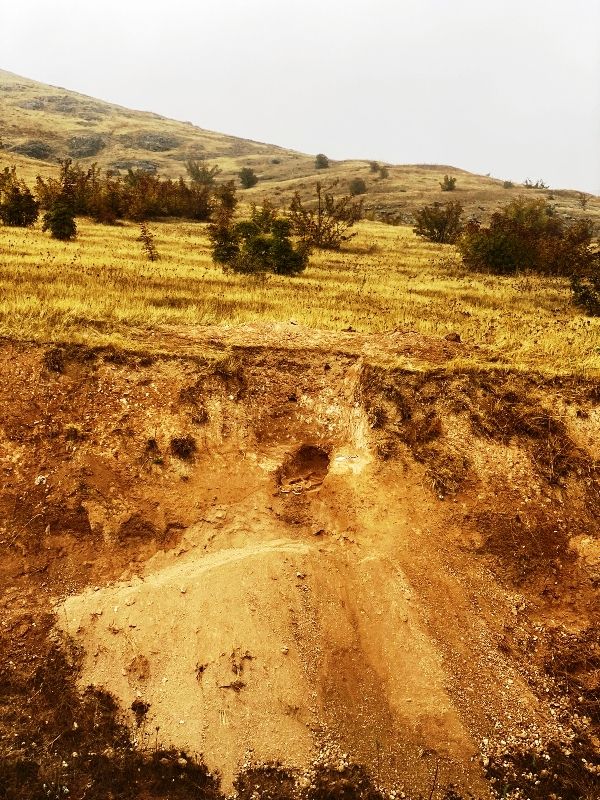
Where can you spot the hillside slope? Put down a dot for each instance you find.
(40, 123)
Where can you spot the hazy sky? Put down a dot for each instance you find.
(510, 87)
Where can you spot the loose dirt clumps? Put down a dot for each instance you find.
(363, 581)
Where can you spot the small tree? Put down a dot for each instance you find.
(321, 161)
(357, 186)
(583, 198)
(248, 178)
(448, 184)
(586, 292)
(201, 174)
(439, 223)
(60, 220)
(325, 224)
(147, 239)
(374, 166)
(384, 173)
(18, 206)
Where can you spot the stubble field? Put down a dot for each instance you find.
(93, 290)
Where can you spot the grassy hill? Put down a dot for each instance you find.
(40, 123)
(100, 288)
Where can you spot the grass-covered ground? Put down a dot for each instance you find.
(95, 288)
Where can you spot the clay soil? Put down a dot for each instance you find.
(268, 561)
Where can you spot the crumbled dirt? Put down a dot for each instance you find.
(299, 566)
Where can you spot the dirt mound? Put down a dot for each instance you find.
(349, 564)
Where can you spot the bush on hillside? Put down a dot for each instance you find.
(248, 178)
(439, 223)
(448, 184)
(528, 235)
(324, 224)
(201, 173)
(321, 161)
(586, 292)
(357, 186)
(60, 220)
(258, 245)
(18, 207)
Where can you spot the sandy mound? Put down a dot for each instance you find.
(262, 650)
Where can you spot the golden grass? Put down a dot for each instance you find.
(95, 289)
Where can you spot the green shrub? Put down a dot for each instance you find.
(60, 221)
(439, 223)
(448, 184)
(18, 207)
(357, 186)
(321, 161)
(586, 292)
(200, 173)
(248, 178)
(528, 235)
(508, 185)
(258, 245)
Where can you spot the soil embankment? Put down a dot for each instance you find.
(286, 553)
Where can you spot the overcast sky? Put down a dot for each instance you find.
(509, 87)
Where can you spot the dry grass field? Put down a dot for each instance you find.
(94, 289)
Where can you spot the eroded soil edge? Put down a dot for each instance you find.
(296, 557)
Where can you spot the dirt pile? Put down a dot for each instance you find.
(293, 555)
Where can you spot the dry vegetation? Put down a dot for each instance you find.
(64, 121)
(93, 289)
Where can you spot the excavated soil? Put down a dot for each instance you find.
(270, 551)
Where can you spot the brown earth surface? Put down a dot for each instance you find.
(274, 545)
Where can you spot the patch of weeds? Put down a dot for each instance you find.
(54, 359)
(569, 771)
(446, 470)
(183, 447)
(377, 417)
(201, 417)
(230, 370)
(526, 546)
(115, 357)
(504, 413)
(267, 781)
(401, 408)
(573, 660)
(73, 434)
(352, 782)
(56, 742)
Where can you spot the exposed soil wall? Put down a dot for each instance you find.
(295, 556)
